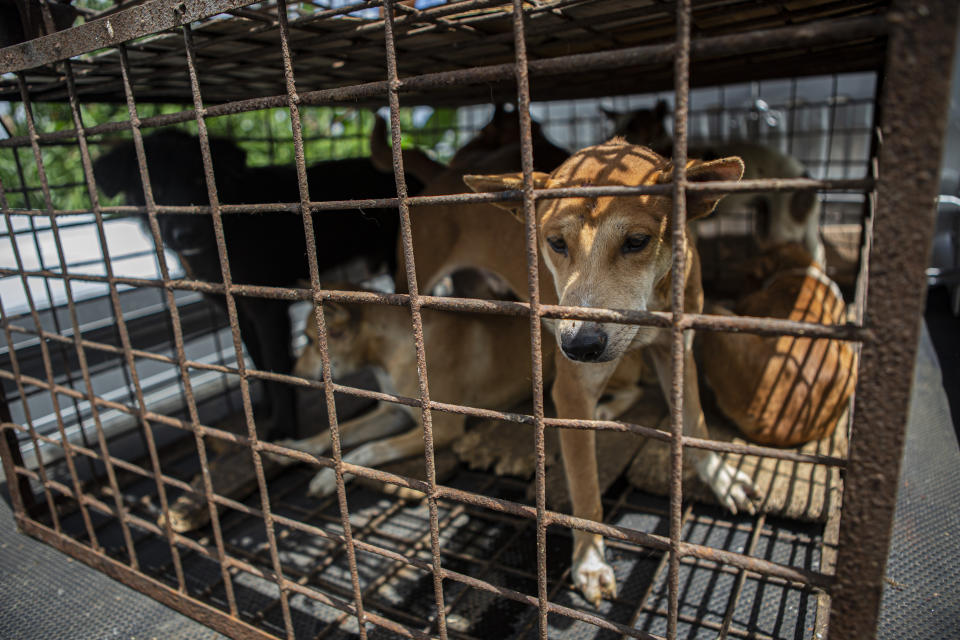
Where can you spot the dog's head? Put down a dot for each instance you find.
(501, 136)
(343, 328)
(609, 252)
(176, 170)
(643, 126)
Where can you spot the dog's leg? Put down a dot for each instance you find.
(383, 420)
(623, 388)
(267, 337)
(733, 488)
(617, 401)
(446, 429)
(575, 393)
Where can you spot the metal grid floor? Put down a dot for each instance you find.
(486, 545)
(79, 602)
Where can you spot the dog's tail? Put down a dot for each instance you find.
(415, 162)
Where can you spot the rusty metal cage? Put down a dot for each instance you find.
(231, 56)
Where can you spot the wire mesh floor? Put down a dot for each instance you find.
(495, 547)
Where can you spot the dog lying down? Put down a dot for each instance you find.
(489, 355)
(267, 249)
(783, 390)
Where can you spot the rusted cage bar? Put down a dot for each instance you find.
(406, 241)
(678, 262)
(885, 323)
(895, 303)
(322, 332)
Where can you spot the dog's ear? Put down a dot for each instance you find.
(802, 205)
(661, 110)
(380, 154)
(723, 169)
(505, 182)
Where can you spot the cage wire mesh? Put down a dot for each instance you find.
(123, 383)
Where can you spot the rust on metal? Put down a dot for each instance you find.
(235, 328)
(913, 106)
(406, 241)
(745, 324)
(132, 23)
(533, 295)
(805, 35)
(885, 327)
(678, 248)
(303, 187)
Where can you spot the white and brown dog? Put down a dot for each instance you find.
(615, 252)
(490, 353)
(780, 216)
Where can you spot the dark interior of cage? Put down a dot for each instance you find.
(824, 122)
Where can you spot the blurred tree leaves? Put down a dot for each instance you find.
(266, 136)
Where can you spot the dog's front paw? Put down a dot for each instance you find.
(591, 573)
(323, 484)
(733, 488)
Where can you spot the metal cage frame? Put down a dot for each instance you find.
(911, 113)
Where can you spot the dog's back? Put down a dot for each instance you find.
(784, 390)
(267, 248)
(456, 236)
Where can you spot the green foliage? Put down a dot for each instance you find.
(266, 136)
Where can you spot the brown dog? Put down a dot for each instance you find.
(451, 237)
(615, 252)
(491, 355)
(784, 390)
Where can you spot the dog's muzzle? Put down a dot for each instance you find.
(585, 344)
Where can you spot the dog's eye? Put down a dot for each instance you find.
(635, 243)
(558, 244)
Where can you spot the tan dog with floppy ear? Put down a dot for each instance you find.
(615, 252)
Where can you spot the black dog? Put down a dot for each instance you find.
(263, 249)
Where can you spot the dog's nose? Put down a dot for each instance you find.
(587, 344)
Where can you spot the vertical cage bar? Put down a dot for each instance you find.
(322, 341)
(913, 105)
(15, 366)
(44, 349)
(417, 321)
(10, 456)
(177, 330)
(533, 290)
(125, 342)
(61, 348)
(681, 80)
(131, 364)
(235, 328)
(82, 363)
